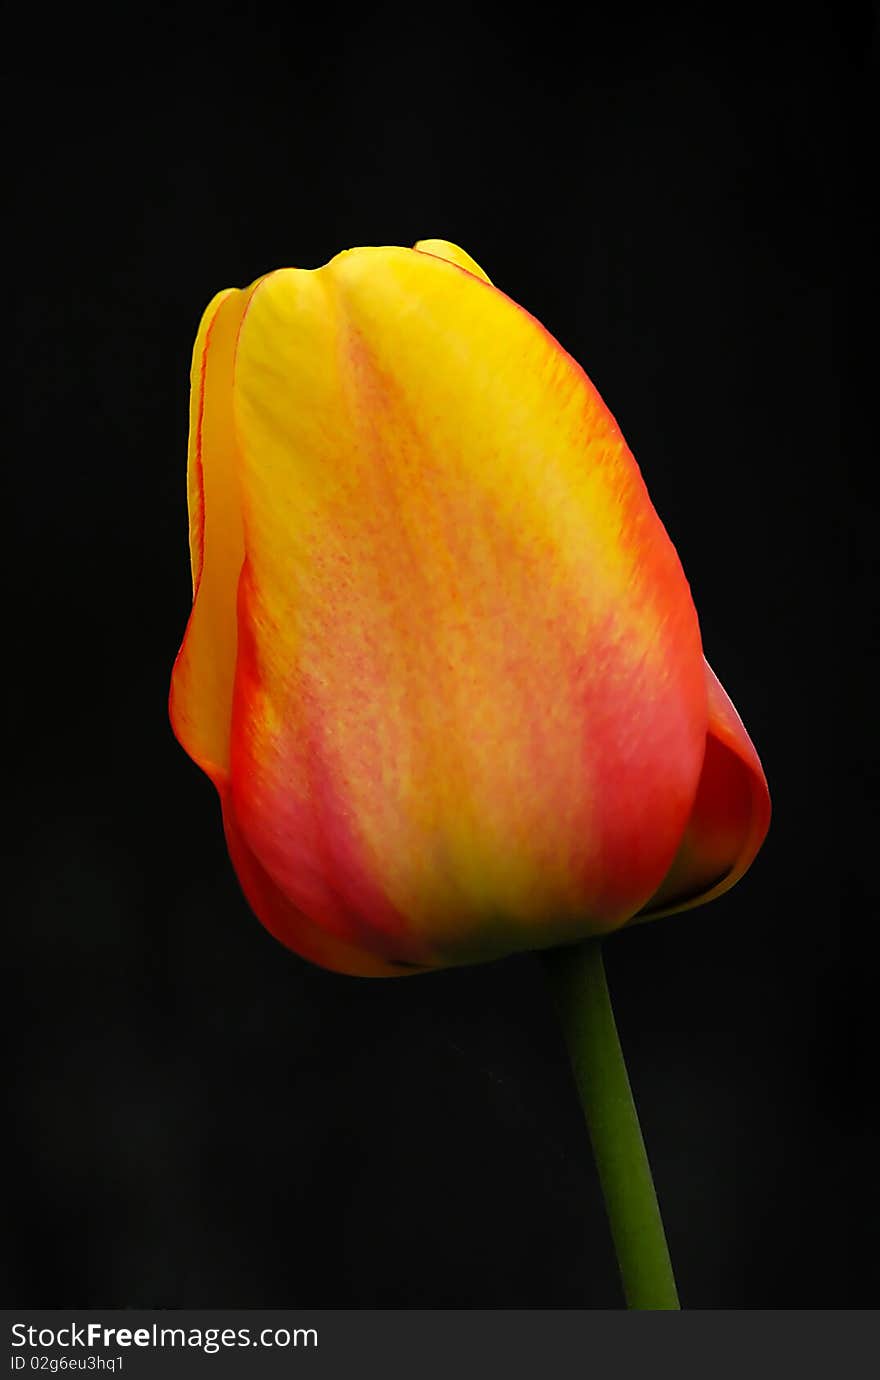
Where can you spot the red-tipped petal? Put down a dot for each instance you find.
(730, 816)
(282, 919)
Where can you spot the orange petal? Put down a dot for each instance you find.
(470, 707)
(730, 817)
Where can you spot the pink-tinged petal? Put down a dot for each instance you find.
(730, 816)
(290, 926)
(470, 708)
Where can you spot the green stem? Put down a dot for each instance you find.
(581, 992)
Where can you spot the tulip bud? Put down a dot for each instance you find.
(443, 665)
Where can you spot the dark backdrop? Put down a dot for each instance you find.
(196, 1117)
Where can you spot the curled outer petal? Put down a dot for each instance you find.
(729, 819)
(443, 664)
(202, 683)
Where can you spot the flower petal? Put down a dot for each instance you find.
(470, 708)
(201, 684)
(290, 926)
(730, 817)
(443, 249)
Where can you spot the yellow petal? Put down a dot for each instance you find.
(201, 686)
(443, 249)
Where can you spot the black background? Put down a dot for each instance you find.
(198, 1118)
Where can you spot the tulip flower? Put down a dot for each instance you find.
(443, 665)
